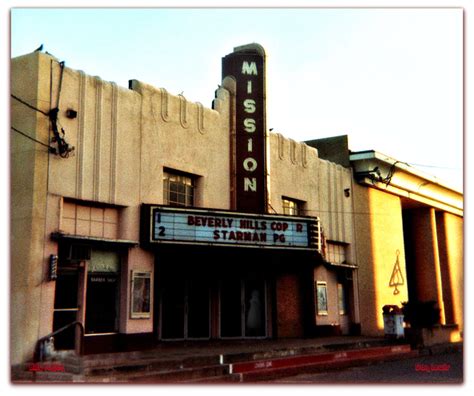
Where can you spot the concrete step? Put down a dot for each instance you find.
(270, 369)
(222, 379)
(211, 365)
(183, 375)
(110, 367)
(60, 377)
(304, 350)
(153, 360)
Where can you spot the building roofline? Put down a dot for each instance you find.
(372, 154)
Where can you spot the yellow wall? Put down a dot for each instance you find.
(379, 230)
(450, 242)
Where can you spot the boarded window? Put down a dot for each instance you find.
(79, 219)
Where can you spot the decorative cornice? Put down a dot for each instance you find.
(97, 137)
(113, 144)
(80, 135)
(200, 118)
(183, 111)
(165, 105)
(281, 147)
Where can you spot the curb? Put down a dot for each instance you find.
(271, 368)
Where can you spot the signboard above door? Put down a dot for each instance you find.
(204, 227)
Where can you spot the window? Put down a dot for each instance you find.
(336, 253)
(321, 298)
(292, 207)
(178, 190)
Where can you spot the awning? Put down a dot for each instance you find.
(343, 265)
(91, 240)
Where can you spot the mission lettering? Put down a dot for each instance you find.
(247, 68)
(249, 164)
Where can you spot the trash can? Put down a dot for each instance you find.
(393, 321)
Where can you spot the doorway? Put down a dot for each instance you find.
(185, 310)
(66, 305)
(242, 306)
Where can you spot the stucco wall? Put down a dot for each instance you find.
(321, 274)
(123, 138)
(29, 165)
(453, 226)
(297, 172)
(449, 231)
(380, 245)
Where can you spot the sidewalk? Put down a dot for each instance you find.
(224, 361)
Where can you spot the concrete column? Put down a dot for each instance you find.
(429, 284)
(443, 246)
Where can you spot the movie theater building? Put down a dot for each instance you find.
(145, 218)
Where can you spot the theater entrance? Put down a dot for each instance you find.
(227, 298)
(188, 309)
(185, 310)
(242, 308)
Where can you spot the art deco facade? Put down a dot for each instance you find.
(133, 213)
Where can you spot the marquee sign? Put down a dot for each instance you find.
(247, 66)
(202, 227)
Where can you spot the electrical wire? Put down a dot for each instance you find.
(434, 166)
(33, 139)
(64, 149)
(28, 105)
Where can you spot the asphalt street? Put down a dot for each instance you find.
(436, 369)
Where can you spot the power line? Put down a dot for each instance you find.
(434, 166)
(28, 105)
(51, 149)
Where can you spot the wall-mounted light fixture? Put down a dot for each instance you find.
(374, 174)
(70, 113)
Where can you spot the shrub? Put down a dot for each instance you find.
(421, 314)
(392, 309)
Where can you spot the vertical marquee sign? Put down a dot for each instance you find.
(247, 66)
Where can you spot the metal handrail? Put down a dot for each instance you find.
(39, 351)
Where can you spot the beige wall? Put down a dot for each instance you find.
(297, 172)
(321, 274)
(136, 260)
(123, 140)
(29, 166)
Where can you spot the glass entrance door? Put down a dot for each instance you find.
(101, 303)
(102, 296)
(185, 310)
(173, 310)
(197, 316)
(66, 305)
(243, 309)
(231, 314)
(254, 294)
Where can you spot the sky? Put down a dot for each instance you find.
(391, 79)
